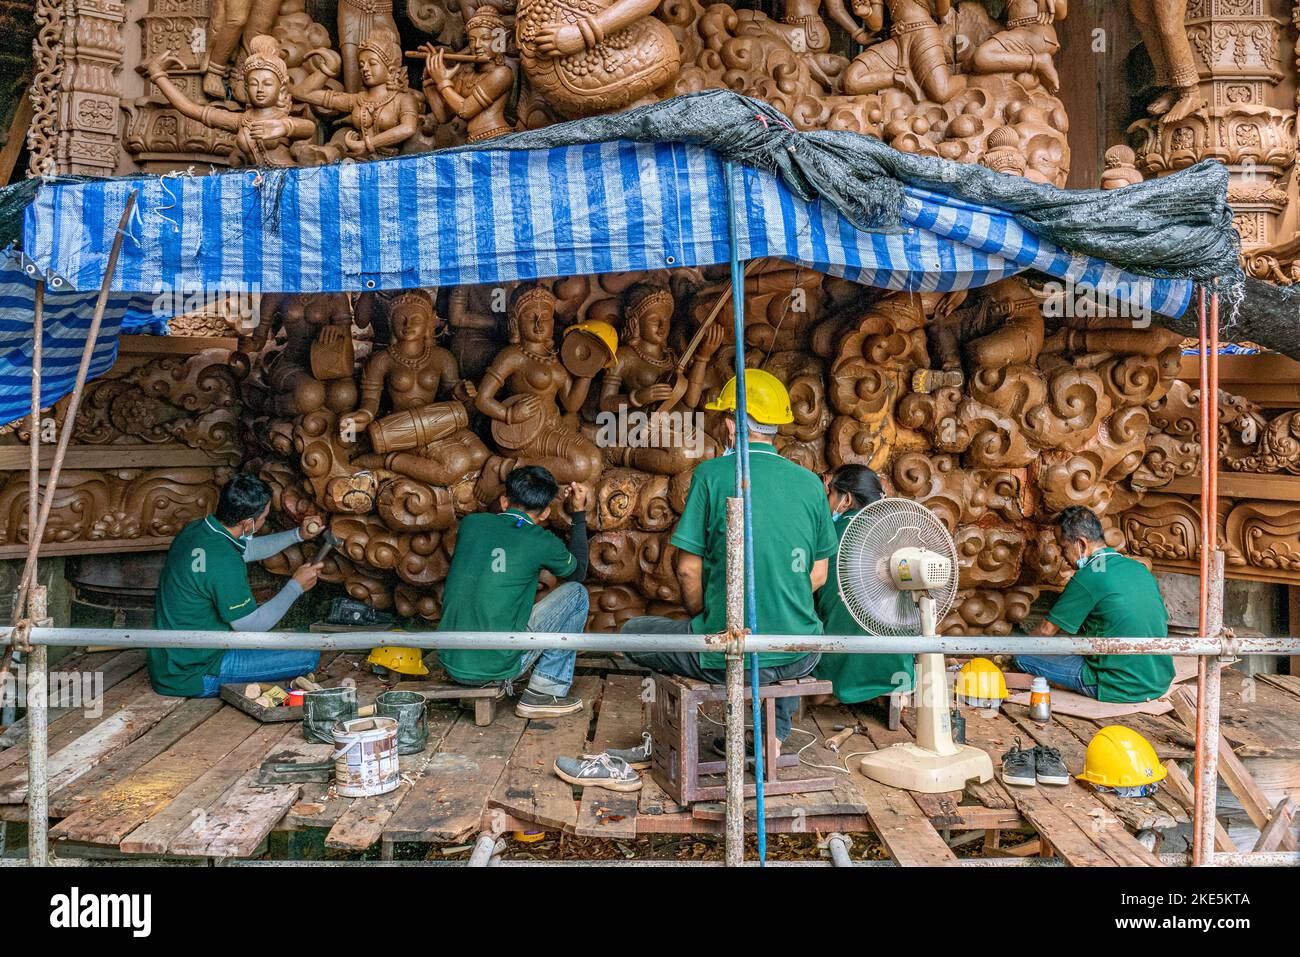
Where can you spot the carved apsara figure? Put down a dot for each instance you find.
(265, 131)
(538, 391)
(914, 58)
(643, 376)
(357, 20)
(228, 22)
(423, 438)
(477, 92)
(590, 56)
(1028, 43)
(380, 118)
(1165, 37)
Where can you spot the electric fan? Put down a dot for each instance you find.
(897, 569)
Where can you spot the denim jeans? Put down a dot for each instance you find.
(1064, 671)
(687, 664)
(241, 665)
(564, 609)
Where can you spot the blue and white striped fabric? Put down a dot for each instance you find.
(67, 321)
(491, 216)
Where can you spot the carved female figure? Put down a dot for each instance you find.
(423, 439)
(528, 421)
(477, 95)
(265, 131)
(589, 56)
(380, 118)
(643, 376)
(914, 58)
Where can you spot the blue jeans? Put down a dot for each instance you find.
(1064, 671)
(242, 665)
(564, 609)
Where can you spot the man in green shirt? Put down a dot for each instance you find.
(204, 587)
(1110, 596)
(793, 540)
(492, 583)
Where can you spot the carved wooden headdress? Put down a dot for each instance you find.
(524, 297)
(384, 45)
(642, 298)
(264, 54)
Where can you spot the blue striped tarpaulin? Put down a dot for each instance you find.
(67, 321)
(491, 216)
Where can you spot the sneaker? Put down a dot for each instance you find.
(601, 771)
(638, 757)
(533, 704)
(1018, 766)
(1050, 769)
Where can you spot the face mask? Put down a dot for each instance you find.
(1081, 561)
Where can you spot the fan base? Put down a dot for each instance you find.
(913, 768)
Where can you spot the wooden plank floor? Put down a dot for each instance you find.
(167, 777)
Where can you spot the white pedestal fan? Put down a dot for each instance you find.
(897, 569)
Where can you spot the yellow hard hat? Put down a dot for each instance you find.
(599, 330)
(980, 683)
(405, 661)
(1119, 757)
(766, 398)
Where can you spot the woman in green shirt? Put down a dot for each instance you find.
(856, 677)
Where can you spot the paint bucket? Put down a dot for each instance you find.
(407, 708)
(322, 709)
(365, 756)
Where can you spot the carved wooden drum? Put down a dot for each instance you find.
(416, 428)
(516, 435)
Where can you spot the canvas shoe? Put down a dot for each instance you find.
(1018, 766)
(533, 704)
(637, 758)
(601, 771)
(1048, 766)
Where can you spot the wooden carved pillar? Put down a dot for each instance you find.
(88, 91)
(47, 62)
(1248, 122)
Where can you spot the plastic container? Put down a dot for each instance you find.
(407, 708)
(322, 709)
(1040, 701)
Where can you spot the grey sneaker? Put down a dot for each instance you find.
(1018, 766)
(601, 771)
(1049, 768)
(638, 757)
(532, 704)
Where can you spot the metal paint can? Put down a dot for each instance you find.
(365, 756)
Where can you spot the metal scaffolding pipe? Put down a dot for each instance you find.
(1220, 646)
(838, 846)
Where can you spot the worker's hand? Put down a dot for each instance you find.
(312, 525)
(307, 573)
(576, 498)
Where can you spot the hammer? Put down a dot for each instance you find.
(332, 542)
(842, 734)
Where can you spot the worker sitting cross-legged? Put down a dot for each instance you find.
(1109, 596)
(204, 587)
(855, 677)
(492, 583)
(793, 539)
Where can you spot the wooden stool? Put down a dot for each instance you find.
(675, 729)
(438, 687)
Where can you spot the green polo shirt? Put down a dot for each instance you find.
(203, 587)
(491, 587)
(1113, 596)
(856, 677)
(791, 529)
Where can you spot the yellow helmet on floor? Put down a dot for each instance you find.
(1119, 757)
(980, 684)
(405, 661)
(766, 398)
(598, 330)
